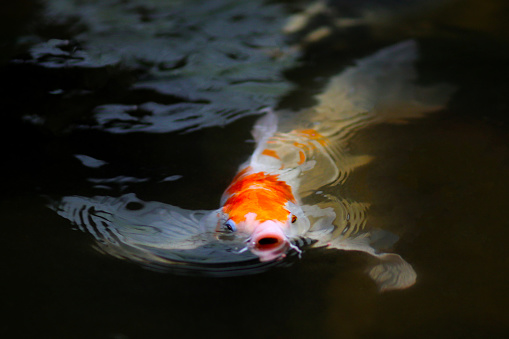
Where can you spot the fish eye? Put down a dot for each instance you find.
(294, 218)
(230, 225)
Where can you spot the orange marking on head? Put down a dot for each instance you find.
(259, 193)
(241, 173)
(270, 153)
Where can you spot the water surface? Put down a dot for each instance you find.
(438, 182)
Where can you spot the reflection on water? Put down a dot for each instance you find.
(88, 112)
(190, 71)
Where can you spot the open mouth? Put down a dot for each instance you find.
(268, 242)
(269, 246)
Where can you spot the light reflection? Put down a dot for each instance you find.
(224, 71)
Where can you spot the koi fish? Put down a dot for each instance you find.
(263, 199)
(275, 199)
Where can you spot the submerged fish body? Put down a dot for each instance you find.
(264, 198)
(274, 198)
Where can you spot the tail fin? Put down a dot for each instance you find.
(379, 88)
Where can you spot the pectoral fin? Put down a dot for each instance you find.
(392, 273)
(160, 236)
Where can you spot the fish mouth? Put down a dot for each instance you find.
(269, 243)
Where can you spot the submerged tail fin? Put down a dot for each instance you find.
(379, 88)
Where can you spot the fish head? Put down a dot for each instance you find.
(260, 205)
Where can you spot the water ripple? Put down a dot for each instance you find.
(205, 63)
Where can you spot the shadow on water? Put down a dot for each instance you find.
(439, 182)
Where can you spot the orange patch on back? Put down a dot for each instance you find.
(270, 153)
(259, 193)
(312, 135)
(302, 158)
(299, 145)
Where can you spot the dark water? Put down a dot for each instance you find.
(439, 182)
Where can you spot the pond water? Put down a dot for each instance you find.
(158, 98)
